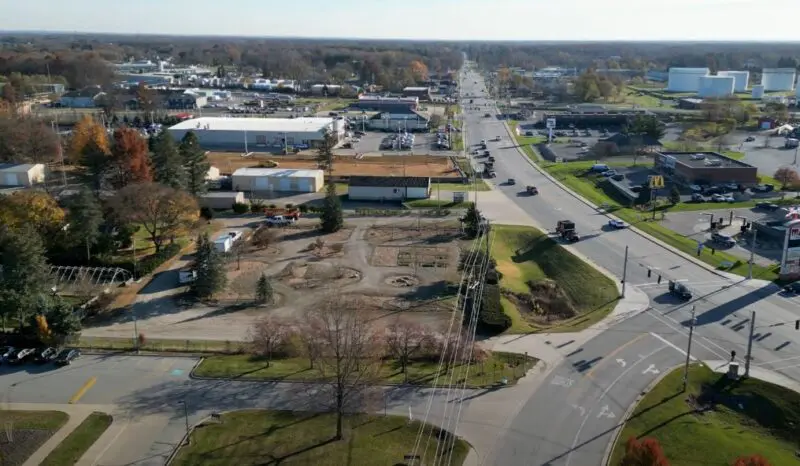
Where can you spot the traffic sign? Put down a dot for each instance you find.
(551, 123)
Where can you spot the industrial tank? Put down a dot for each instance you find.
(716, 86)
(758, 92)
(778, 79)
(742, 79)
(685, 79)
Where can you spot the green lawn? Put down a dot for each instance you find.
(478, 185)
(631, 96)
(572, 175)
(525, 254)
(478, 374)
(256, 437)
(30, 430)
(436, 203)
(750, 417)
(72, 448)
(38, 420)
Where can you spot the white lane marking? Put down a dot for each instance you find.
(723, 355)
(651, 369)
(603, 395)
(606, 412)
(621, 362)
(561, 381)
(672, 345)
(776, 361)
(581, 409)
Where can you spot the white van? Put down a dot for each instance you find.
(599, 168)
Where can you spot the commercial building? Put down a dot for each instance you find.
(685, 79)
(21, 174)
(388, 188)
(704, 168)
(716, 86)
(185, 101)
(84, 98)
(326, 89)
(387, 104)
(410, 122)
(758, 92)
(258, 134)
(422, 93)
(277, 180)
(778, 79)
(742, 79)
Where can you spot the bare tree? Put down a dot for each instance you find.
(350, 350)
(404, 340)
(263, 238)
(308, 340)
(268, 336)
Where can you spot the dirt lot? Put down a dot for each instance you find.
(400, 268)
(410, 165)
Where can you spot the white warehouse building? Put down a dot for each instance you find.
(716, 86)
(758, 92)
(778, 79)
(388, 188)
(277, 180)
(742, 79)
(685, 79)
(258, 134)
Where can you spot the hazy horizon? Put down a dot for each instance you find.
(454, 20)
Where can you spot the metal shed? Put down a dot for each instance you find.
(221, 200)
(21, 174)
(388, 188)
(278, 180)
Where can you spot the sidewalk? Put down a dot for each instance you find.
(77, 414)
(756, 372)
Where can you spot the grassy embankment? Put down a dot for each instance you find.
(748, 417)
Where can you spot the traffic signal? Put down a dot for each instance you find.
(649, 272)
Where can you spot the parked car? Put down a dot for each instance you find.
(616, 224)
(279, 221)
(528, 133)
(697, 197)
(6, 352)
(749, 139)
(696, 188)
(767, 206)
(763, 188)
(792, 288)
(511, 182)
(609, 173)
(66, 356)
(44, 355)
(21, 355)
(729, 198)
(717, 198)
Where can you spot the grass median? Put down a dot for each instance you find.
(29, 430)
(486, 373)
(526, 256)
(716, 420)
(281, 437)
(72, 448)
(573, 175)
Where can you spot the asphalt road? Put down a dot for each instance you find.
(570, 421)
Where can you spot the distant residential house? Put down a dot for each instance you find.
(21, 174)
(326, 89)
(84, 98)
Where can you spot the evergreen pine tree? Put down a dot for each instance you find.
(25, 272)
(168, 167)
(674, 195)
(264, 291)
(194, 159)
(472, 221)
(210, 268)
(85, 217)
(331, 219)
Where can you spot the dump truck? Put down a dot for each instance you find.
(566, 230)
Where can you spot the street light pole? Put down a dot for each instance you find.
(624, 271)
(688, 351)
(186, 419)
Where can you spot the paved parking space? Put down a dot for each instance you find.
(371, 142)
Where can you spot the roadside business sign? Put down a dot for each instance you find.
(551, 123)
(656, 182)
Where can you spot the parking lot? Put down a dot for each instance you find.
(374, 142)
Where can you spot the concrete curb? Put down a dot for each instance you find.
(610, 216)
(610, 447)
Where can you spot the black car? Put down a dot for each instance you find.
(21, 355)
(66, 356)
(793, 288)
(767, 206)
(6, 352)
(44, 355)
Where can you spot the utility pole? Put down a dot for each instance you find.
(752, 253)
(688, 351)
(624, 271)
(750, 344)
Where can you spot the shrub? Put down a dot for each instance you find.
(241, 208)
(273, 206)
(256, 207)
(491, 318)
(207, 213)
(150, 263)
(290, 206)
(303, 208)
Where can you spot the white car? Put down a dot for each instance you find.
(729, 198)
(616, 224)
(497, 138)
(609, 173)
(696, 188)
(717, 198)
(279, 220)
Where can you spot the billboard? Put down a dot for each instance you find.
(551, 123)
(794, 232)
(669, 161)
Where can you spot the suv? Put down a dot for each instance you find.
(724, 240)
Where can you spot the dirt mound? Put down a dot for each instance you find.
(313, 275)
(546, 301)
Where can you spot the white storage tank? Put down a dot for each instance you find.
(742, 79)
(716, 86)
(685, 79)
(758, 92)
(778, 79)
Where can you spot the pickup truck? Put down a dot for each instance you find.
(279, 221)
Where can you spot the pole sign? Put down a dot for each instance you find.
(656, 182)
(551, 123)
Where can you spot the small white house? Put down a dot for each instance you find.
(21, 174)
(388, 188)
(221, 200)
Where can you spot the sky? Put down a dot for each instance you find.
(689, 20)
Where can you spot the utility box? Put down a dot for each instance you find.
(733, 370)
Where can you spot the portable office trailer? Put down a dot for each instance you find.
(278, 180)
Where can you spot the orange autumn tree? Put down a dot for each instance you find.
(43, 330)
(85, 130)
(419, 70)
(754, 460)
(130, 162)
(644, 452)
